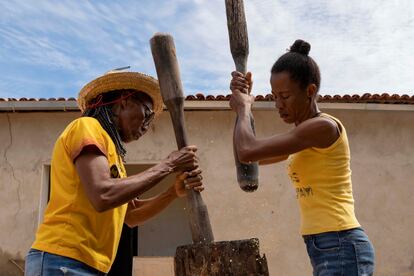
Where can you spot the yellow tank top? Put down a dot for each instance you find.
(71, 226)
(322, 178)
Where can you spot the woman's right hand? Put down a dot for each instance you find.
(241, 86)
(183, 160)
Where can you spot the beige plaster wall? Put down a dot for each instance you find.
(382, 163)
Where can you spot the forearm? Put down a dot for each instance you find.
(273, 160)
(122, 190)
(251, 149)
(243, 137)
(149, 208)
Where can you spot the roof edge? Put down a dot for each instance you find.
(384, 98)
(196, 105)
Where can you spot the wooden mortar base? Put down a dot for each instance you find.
(238, 258)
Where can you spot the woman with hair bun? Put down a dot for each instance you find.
(319, 162)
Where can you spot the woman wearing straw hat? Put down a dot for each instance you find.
(91, 197)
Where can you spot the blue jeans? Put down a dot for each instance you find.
(40, 263)
(347, 252)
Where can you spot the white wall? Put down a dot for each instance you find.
(382, 162)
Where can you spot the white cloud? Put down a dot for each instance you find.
(360, 46)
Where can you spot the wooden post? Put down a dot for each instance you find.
(204, 257)
(165, 58)
(247, 174)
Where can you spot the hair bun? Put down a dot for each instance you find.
(300, 46)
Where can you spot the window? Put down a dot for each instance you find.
(44, 192)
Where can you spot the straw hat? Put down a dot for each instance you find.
(118, 80)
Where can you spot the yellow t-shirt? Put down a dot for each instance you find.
(322, 178)
(71, 226)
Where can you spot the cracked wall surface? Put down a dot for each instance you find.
(382, 160)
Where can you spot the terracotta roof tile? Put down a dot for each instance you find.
(384, 98)
(201, 97)
(222, 97)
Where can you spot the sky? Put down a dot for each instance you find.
(53, 48)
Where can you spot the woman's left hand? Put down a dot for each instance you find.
(188, 180)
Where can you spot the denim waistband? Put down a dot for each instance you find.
(340, 234)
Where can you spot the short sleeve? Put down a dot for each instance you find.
(85, 131)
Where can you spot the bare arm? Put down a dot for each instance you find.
(315, 132)
(140, 210)
(106, 193)
(273, 160)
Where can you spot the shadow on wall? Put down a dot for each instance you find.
(11, 265)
